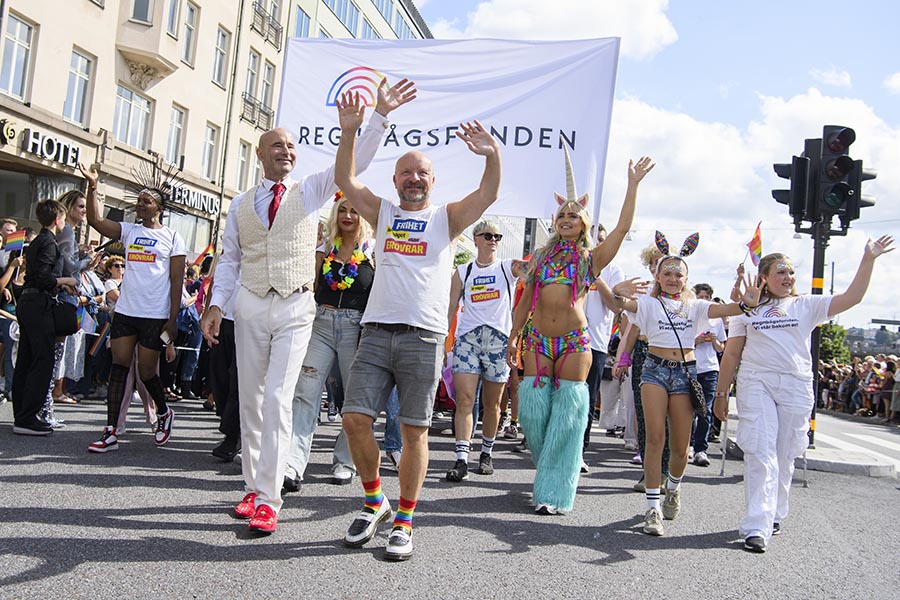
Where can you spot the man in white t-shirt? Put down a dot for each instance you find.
(709, 341)
(405, 322)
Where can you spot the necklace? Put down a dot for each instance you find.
(347, 273)
(663, 294)
(483, 265)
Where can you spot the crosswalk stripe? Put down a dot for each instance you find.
(871, 439)
(843, 445)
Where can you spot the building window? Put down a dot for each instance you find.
(176, 135)
(324, 34)
(275, 10)
(268, 84)
(132, 118)
(347, 12)
(257, 172)
(195, 231)
(243, 164)
(402, 29)
(208, 159)
(140, 10)
(172, 20)
(190, 33)
(75, 108)
(220, 59)
(252, 73)
(386, 8)
(16, 57)
(368, 32)
(301, 27)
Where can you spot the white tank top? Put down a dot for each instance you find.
(486, 296)
(414, 262)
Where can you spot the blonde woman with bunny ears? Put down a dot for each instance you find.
(775, 393)
(553, 397)
(668, 317)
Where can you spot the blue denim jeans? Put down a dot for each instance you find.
(708, 382)
(392, 440)
(335, 336)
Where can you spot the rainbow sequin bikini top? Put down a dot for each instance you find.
(571, 267)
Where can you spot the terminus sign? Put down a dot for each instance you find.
(50, 148)
(196, 200)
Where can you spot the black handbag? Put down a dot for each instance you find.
(698, 401)
(65, 320)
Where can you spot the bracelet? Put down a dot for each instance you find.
(624, 359)
(721, 394)
(744, 308)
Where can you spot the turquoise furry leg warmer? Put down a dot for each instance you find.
(559, 463)
(534, 412)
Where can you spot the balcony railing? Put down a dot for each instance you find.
(267, 26)
(256, 113)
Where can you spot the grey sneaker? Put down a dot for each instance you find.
(393, 459)
(510, 432)
(653, 523)
(459, 471)
(399, 546)
(755, 543)
(672, 504)
(484, 464)
(366, 523)
(701, 459)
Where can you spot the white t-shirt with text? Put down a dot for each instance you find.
(654, 324)
(145, 288)
(486, 296)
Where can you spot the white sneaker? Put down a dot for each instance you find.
(629, 447)
(653, 523)
(342, 474)
(393, 459)
(701, 459)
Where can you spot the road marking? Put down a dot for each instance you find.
(842, 445)
(876, 441)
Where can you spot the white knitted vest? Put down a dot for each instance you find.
(281, 258)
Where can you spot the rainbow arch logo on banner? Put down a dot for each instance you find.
(775, 312)
(364, 80)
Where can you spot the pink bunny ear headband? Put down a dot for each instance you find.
(688, 248)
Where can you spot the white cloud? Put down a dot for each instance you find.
(833, 76)
(717, 179)
(642, 24)
(892, 83)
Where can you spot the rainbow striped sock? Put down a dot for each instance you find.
(374, 496)
(404, 514)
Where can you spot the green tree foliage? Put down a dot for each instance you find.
(833, 346)
(462, 257)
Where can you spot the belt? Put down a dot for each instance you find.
(28, 291)
(394, 327)
(672, 364)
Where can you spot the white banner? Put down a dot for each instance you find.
(534, 97)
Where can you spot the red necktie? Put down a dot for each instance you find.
(278, 189)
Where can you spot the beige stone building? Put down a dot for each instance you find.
(122, 83)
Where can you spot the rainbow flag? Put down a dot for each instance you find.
(85, 321)
(100, 341)
(755, 246)
(615, 331)
(210, 251)
(15, 241)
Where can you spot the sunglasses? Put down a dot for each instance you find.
(118, 266)
(490, 237)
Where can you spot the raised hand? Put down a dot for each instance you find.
(637, 170)
(91, 175)
(880, 246)
(393, 97)
(351, 111)
(752, 291)
(477, 138)
(631, 288)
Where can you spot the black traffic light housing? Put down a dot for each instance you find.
(796, 197)
(834, 190)
(858, 200)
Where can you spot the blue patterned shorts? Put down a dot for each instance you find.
(482, 351)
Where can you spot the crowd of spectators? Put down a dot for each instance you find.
(865, 387)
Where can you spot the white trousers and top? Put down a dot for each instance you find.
(774, 401)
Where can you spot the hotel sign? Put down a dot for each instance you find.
(50, 148)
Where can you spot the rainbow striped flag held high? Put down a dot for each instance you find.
(15, 241)
(755, 246)
(210, 251)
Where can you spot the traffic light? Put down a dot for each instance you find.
(857, 198)
(835, 191)
(796, 197)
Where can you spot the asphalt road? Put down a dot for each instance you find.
(154, 522)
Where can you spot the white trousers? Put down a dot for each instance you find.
(773, 421)
(271, 337)
(612, 409)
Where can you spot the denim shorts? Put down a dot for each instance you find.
(672, 379)
(482, 351)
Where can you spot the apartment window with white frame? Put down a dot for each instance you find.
(243, 164)
(16, 57)
(302, 25)
(386, 8)
(188, 43)
(368, 32)
(252, 73)
(176, 135)
(172, 20)
(268, 84)
(324, 34)
(347, 12)
(220, 58)
(275, 10)
(75, 107)
(141, 10)
(208, 158)
(132, 118)
(401, 28)
(257, 172)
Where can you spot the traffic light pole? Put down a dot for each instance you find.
(821, 233)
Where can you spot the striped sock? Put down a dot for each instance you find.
(404, 514)
(374, 496)
(653, 498)
(674, 482)
(487, 444)
(462, 450)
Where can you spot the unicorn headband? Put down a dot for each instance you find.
(571, 194)
(688, 248)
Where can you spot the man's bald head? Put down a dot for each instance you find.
(276, 153)
(413, 178)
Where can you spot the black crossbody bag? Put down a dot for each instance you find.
(696, 392)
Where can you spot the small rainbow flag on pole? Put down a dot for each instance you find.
(210, 251)
(100, 341)
(755, 246)
(15, 241)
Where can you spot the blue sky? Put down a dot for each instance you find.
(716, 92)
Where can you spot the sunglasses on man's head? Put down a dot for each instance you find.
(491, 236)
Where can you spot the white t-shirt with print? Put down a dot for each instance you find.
(653, 323)
(778, 333)
(705, 352)
(599, 317)
(145, 288)
(486, 296)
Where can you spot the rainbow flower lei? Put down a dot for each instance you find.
(347, 273)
